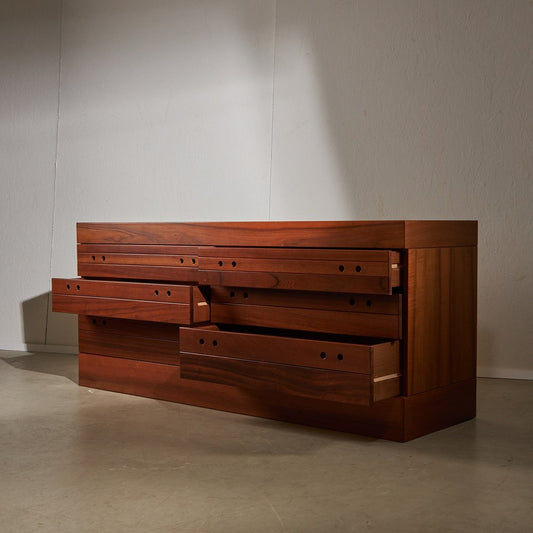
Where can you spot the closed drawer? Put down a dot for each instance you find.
(161, 262)
(343, 372)
(157, 302)
(337, 270)
(340, 313)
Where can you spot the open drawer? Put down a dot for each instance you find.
(336, 270)
(359, 374)
(155, 302)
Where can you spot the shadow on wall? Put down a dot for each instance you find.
(34, 318)
(43, 327)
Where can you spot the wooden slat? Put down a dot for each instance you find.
(159, 273)
(396, 234)
(308, 266)
(382, 234)
(361, 324)
(288, 281)
(182, 261)
(128, 346)
(156, 292)
(159, 249)
(363, 303)
(328, 385)
(323, 354)
(132, 309)
(129, 328)
(300, 254)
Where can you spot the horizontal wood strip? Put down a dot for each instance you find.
(287, 281)
(307, 266)
(360, 324)
(284, 350)
(181, 261)
(362, 303)
(129, 328)
(130, 347)
(159, 249)
(361, 234)
(156, 292)
(329, 385)
(132, 309)
(300, 254)
(159, 273)
(384, 419)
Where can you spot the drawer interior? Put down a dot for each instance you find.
(351, 370)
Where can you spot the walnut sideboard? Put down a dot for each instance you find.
(366, 327)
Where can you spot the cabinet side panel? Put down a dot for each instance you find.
(441, 314)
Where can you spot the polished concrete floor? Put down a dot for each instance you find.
(77, 459)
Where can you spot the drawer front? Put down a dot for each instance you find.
(157, 302)
(161, 262)
(129, 339)
(336, 371)
(346, 314)
(363, 271)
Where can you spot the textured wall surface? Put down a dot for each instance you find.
(29, 83)
(287, 109)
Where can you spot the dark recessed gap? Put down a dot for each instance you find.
(341, 268)
(323, 355)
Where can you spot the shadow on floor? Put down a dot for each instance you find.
(65, 365)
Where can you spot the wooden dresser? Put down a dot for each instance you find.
(366, 327)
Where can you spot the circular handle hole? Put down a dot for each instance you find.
(341, 268)
(156, 292)
(77, 287)
(215, 343)
(368, 303)
(352, 301)
(68, 286)
(220, 263)
(322, 355)
(168, 293)
(245, 294)
(94, 258)
(94, 320)
(340, 357)
(202, 341)
(233, 264)
(104, 322)
(232, 294)
(193, 261)
(181, 260)
(103, 258)
(358, 268)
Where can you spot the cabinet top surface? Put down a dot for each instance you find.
(398, 234)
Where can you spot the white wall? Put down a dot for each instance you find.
(297, 109)
(29, 83)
